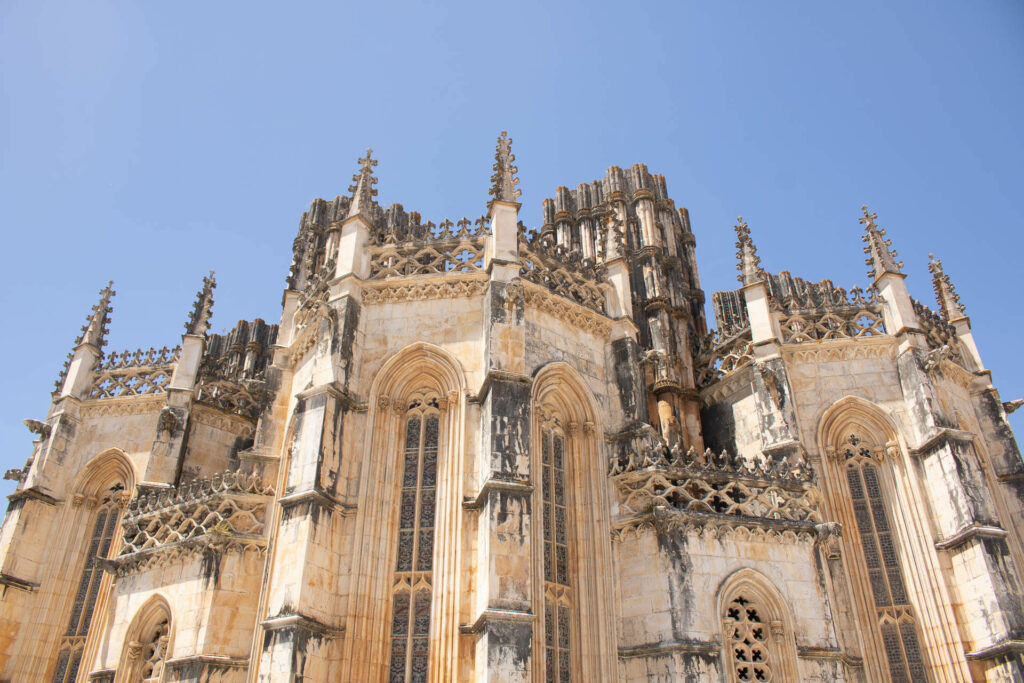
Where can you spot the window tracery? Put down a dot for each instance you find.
(750, 635)
(558, 599)
(411, 591)
(72, 643)
(895, 614)
(153, 651)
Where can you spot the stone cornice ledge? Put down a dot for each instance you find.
(314, 496)
(517, 487)
(497, 376)
(686, 647)
(499, 615)
(304, 622)
(940, 437)
(1002, 648)
(209, 660)
(9, 581)
(32, 494)
(968, 532)
(335, 390)
(807, 652)
(687, 520)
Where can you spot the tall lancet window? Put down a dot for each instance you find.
(101, 535)
(410, 620)
(895, 614)
(557, 582)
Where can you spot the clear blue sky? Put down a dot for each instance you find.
(150, 142)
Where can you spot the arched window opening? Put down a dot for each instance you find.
(557, 585)
(410, 620)
(750, 638)
(895, 614)
(101, 536)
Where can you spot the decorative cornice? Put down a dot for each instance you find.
(208, 661)
(290, 621)
(32, 494)
(516, 487)
(9, 581)
(233, 424)
(940, 438)
(497, 615)
(1002, 648)
(693, 647)
(840, 350)
(711, 525)
(166, 554)
(968, 532)
(317, 498)
(117, 407)
(567, 311)
(423, 288)
(727, 385)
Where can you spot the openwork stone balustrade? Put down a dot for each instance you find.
(226, 511)
(134, 373)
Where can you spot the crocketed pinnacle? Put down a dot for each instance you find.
(881, 256)
(504, 179)
(363, 191)
(94, 332)
(202, 310)
(945, 294)
(749, 264)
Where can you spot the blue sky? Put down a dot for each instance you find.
(150, 142)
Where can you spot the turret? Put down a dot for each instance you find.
(88, 349)
(503, 213)
(886, 272)
(952, 310)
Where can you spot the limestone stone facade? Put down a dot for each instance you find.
(475, 451)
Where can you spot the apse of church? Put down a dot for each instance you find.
(472, 450)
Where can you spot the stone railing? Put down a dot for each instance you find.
(134, 373)
(227, 510)
(562, 272)
(723, 352)
(705, 487)
(823, 312)
(405, 250)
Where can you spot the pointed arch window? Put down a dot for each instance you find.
(895, 614)
(101, 536)
(558, 599)
(411, 591)
(750, 635)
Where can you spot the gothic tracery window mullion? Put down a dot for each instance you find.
(410, 622)
(69, 657)
(892, 605)
(557, 586)
(749, 637)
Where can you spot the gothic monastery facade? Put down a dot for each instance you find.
(474, 451)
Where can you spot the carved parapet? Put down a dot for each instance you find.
(407, 248)
(563, 272)
(650, 475)
(723, 352)
(134, 373)
(226, 512)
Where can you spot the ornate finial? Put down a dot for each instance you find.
(945, 294)
(881, 256)
(199, 319)
(95, 331)
(749, 263)
(504, 180)
(363, 191)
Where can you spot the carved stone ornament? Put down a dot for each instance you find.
(37, 427)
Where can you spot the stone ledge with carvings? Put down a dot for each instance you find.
(134, 373)
(226, 512)
(701, 488)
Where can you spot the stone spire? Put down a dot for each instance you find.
(746, 253)
(199, 319)
(363, 191)
(94, 332)
(504, 179)
(945, 294)
(881, 256)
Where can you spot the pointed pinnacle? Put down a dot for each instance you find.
(202, 310)
(95, 330)
(363, 191)
(504, 179)
(749, 264)
(880, 254)
(945, 294)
